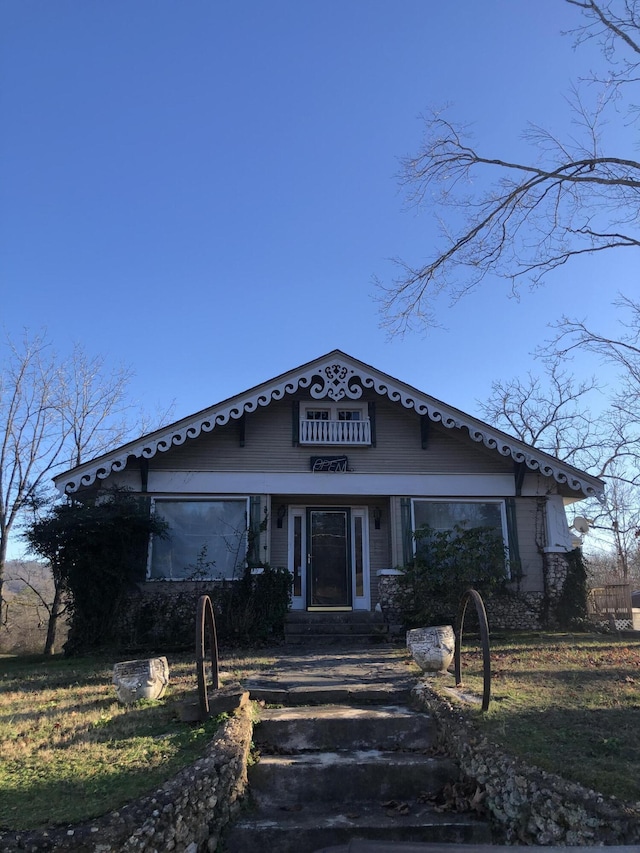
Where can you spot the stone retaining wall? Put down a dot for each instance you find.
(526, 804)
(186, 815)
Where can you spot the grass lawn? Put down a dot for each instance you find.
(567, 703)
(70, 751)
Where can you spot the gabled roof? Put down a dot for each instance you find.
(336, 376)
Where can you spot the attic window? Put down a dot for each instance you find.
(331, 425)
(318, 414)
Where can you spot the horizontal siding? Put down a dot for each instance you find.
(268, 447)
(530, 558)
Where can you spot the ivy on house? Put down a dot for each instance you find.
(571, 609)
(446, 564)
(98, 554)
(96, 551)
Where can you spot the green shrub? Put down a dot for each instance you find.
(161, 615)
(96, 552)
(254, 608)
(447, 563)
(98, 555)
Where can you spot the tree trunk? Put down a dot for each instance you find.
(52, 627)
(3, 561)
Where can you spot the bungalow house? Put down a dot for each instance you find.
(327, 470)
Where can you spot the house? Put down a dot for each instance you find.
(327, 470)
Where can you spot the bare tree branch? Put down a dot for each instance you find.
(522, 220)
(549, 411)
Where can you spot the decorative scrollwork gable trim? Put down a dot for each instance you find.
(335, 377)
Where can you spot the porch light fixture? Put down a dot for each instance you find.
(377, 515)
(282, 511)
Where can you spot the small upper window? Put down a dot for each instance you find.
(349, 415)
(317, 414)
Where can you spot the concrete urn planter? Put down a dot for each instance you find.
(140, 679)
(432, 648)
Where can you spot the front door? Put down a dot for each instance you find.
(328, 558)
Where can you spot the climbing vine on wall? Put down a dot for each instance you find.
(96, 552)
(446, 564)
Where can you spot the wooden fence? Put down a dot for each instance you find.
(611, 601)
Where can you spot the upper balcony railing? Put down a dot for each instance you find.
(335, 432)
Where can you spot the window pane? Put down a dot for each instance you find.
(206, 539)
(297, 556)
(317, 414)
(445, 515)
(348, 415)
(358, 548)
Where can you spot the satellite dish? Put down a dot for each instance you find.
(581, 524)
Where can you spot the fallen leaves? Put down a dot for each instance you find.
(395, 807)
(463, 796)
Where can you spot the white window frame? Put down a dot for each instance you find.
(499, 501)
(199, 499)
(334, 410)
(362, 602)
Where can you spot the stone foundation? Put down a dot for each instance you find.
(186, 815)
(515, 611)
(512, 611)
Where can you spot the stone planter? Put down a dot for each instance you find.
(432, 648)
(140, 679)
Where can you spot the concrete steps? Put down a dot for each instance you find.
(348, 628)
(346, 727)
(313, 827)
(329, 774)
(359, 775)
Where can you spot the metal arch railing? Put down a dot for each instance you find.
(474, 595)
(206, 630)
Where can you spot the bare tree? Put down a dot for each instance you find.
(521, 220)
(93, 406)
(549, 411)
(623, 353)
(41, 603)
(32, 436)
(53, 413)
(620, 452)
(552, 411)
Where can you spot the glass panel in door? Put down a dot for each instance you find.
(329, 565)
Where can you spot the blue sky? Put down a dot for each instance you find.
(205, 191)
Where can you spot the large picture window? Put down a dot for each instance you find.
(207, 539)
(446, 515)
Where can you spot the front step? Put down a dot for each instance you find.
(342, 772)
(332, 727)
(347, 628)
(312, 827)
(357, 775)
